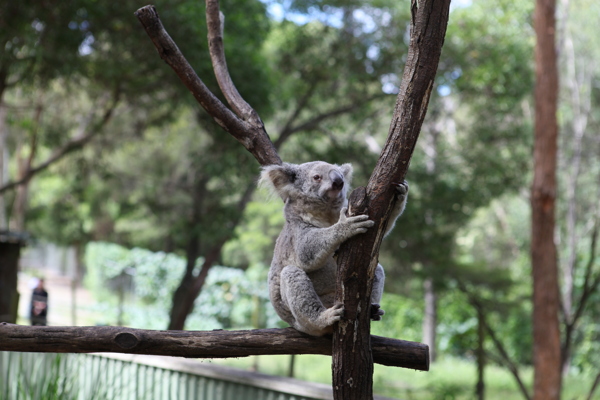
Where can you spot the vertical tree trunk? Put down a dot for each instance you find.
(430, 296)
(9, 297)
(25, 164)
(3, 164)
(20, 208)
(480, 387)
(352, 359)
(182, 307)
(430, 317)
(182, 304)
(546, 334)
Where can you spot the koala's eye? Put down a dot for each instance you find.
(317, 177)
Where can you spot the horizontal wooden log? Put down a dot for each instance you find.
(197, 344)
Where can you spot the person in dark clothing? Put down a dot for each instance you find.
(39, 305)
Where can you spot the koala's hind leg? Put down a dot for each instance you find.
(310, 315)
(377, 293)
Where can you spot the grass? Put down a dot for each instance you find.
(448, 379)
(43, 377)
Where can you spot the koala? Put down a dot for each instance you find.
(302, 277)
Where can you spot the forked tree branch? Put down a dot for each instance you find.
(316, 120)
(215, 21)
(352, 341)
(358, 257)
(504, 358)
(196, 344)
(246, 127)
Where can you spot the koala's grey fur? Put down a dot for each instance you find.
(302, 277)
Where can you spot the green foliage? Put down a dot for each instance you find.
(403, 318)
(232, 298)
(263, 220)
(453, 172)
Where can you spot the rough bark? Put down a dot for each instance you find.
(357, 260)
(196, 344)
(546, 334)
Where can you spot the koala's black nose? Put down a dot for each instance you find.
(337, 180)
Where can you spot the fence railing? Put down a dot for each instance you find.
(46, 376)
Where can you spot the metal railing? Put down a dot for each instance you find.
(47, 376)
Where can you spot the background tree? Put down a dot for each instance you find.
(546, 334)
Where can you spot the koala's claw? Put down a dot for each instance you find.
(333, 314)
(376, 312)
(355, 224)
(401, 188)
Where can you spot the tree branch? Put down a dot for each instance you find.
(251, 134)
(358, 256)
(74, 144)
(317, 119)
(594, 387)
(504, 357)
(300, 106)
(215, 21)
(590, 285)
(195, 344)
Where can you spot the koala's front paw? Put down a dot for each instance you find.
(376, 312)
(351, 226)
(401, 188)
(332, 314)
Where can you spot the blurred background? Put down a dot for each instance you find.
(138, 210)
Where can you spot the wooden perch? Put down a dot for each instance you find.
(196, 344)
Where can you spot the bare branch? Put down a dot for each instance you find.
(300, 106)
(72, 145)
(594, 387)
(512, 367)
(215, 21)
(590, 284)
(251, 134)
(504, 357)
(317, 119)
(196, 344)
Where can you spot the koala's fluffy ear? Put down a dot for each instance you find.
(280, 177)
(347, 170)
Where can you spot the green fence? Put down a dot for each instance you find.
(48, 376)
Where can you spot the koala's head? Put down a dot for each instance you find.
(316, 182)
